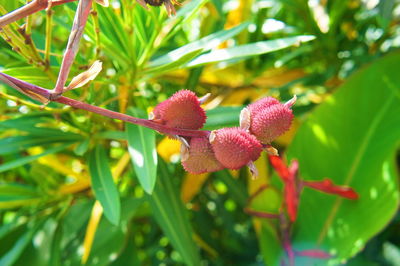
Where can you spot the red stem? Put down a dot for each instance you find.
(81, 16)
(261, 214)
(33, 89)
(27, 10)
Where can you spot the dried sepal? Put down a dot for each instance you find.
(85, 77)
(235, 147)
(244, 119)
(253, 170)
(104, 3)
(204, 98)
(271, 150)
(291, 102)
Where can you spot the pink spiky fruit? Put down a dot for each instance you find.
(262, 104)
(200, 157)
(235, 147)
(269, 119)
(181, 110)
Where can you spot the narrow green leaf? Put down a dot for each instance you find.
(103, 185)
(82, 147)
(55, 248)
(171, 215)
(142, 148)
(21, 143)
(31, 158)
(13, 254)
(110, 239)
(16, 195)
(175, 63)
(224, 116)
(205, 44)
(118, 135)
(246, 50)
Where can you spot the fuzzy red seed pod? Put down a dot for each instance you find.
(235, 147)
(269, 118)
(200, 158)
(262, 104)
(181, 110)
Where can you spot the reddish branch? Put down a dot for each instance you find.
(29, 9)
(81, 16)
(39, 92)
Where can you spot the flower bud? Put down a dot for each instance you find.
(235, 147)
(181, 110)
(269, 119)
(200, 157)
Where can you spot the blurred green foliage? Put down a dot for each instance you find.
(56, 162)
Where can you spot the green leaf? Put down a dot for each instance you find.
(103, 185)
(118, 135)
(32, 75)
(204, 44)
(175, 63)
(246, 50)
(16, 250)
(110, 239)
(351, 138)
(171, 215)
(223, 116)
(82, 147)
(15, 195)
(21, 143)
(27, 159)
(142, 148)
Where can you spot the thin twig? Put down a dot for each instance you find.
(27, 10)
(261, 214)
(81, 16)
(33, 90)
(96, 28)
(47, 48)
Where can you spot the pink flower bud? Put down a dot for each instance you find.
(269, 119)
(235, 147)
(181, 110)
(200, 158)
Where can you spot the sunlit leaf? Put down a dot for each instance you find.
(27, 159)
(351, 139)
(247, 50)
(142, 148)
(204, 44)
(103, 185)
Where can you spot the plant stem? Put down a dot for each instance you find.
(27, 10)
(49, 19)
(96, 28)
(31, 89)
(81, 16)
(28, 22)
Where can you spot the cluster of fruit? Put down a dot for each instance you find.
(260, 123)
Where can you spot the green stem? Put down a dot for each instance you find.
(96, 28)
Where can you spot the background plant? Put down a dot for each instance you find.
(49, 153)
